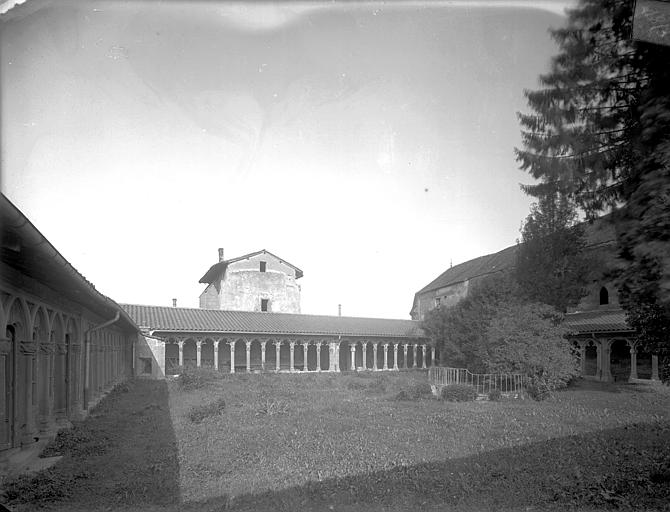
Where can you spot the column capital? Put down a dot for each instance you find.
(180, 342)
(216, 344)
(248, 343)
(352, 347)
(198, 343)
(28, 347)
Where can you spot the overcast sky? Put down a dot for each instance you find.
(369, 144)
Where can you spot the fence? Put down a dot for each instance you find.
(484, 383)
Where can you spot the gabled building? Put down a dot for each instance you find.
(258, 281)
(606, 343)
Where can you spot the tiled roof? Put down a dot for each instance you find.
(216, 269)
(597, 234)
(473, 268)
(611, 320)
(159, 318)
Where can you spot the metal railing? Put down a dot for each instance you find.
(484, 383)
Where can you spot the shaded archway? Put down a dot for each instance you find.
(255, 355)
(171, 358)
(410, 355)
(643, 364)
(190, 353)
(311, 357)
(590, 359)
(324, 356)
(207, 353)
(369, 356)
(284, 355)
(240, 356)
(620, 360)
(344, 359)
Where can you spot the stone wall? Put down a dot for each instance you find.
(449, 296)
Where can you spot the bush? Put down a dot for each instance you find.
(538, 390)
(199, 412)
(495, 395)
(190, 379)
(458, 393)
(530, 339)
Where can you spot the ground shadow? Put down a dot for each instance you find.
(100, 468)
(625, 468)
(611, 387)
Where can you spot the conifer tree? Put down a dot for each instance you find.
(599, 134)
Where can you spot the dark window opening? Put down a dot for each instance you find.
(264, 304)
(604, 296)
(145, 364)
(263, 265)
(438, 302)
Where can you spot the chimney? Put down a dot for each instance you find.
(339, 310)
(174, 303)
(220, 253)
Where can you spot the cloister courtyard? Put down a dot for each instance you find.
(355, 441)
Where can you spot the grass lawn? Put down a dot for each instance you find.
(343, 442)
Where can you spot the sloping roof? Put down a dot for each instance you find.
(25, 249)
(610, 320)
(474, 268)
(599, 233)
(218, 268)
(159, 318)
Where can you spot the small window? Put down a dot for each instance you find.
(263, 265)
(264, 304)
(438, 302)
(145, 365)
(604, 296)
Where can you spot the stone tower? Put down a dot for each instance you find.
(258, 281)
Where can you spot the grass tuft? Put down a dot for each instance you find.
(199, 413)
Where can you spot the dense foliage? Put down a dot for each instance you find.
(551, 264)
(530, 339)
(599, 134)
(493, 330)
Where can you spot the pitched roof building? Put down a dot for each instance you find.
(604, 339)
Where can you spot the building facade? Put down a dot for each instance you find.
(258, 281)
(64, 344)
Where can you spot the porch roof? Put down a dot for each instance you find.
(598, 321)
(170, 319)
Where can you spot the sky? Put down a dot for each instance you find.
(369, 144)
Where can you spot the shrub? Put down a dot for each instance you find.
(458, 393)
(495, 395)
(403, 395)
(190, 379)
(529, 339)
(199, 412)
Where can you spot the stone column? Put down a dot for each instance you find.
(181, 352)
(654, 367)
(336, 355)
(45, 403)
(582, 358)
(365, 355)
(277, 354)
(599, 356)
(216, 354)
(395, 356)
(263, 355)
(423, 356)
(405, 346)
(386, 354)
(318, 356)
(305, 346)
(248, 343)
(605, 360)
(432, 356)
(352, 349)
(633, 362)
(374, 357)
(232, 356)
(292, 348)
(414, 355)
(28, 349)
(198, 353)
